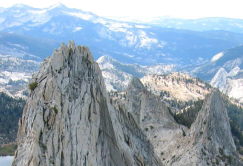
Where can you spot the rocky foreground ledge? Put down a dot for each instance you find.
(68, 121)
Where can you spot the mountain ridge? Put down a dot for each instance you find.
(127, 42)
(68, 120)
(174, 143)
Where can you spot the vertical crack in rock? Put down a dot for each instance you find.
(68, 121)
(208, 142)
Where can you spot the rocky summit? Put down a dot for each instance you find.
(152, 115)
(207, 142)
(68, 120)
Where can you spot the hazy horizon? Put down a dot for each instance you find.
(141, 10)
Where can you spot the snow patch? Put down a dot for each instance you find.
(16, 76)
(217, 57)
(220, 79)
(39, 12)
(77, 29)
(234, 72)
(3, 81)
(146, 41)
(141, 26)
(117, 75)
(236, 88)
(2, 20)
(228, 84)
(80, 15)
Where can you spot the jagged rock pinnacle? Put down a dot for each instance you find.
(67, 120)
(209, 140)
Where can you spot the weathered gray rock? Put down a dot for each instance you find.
(68, 120)
(151, 114)
(209, 140)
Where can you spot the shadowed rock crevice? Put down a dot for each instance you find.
(209, 140)
(68, 121)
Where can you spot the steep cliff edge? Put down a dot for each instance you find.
(68, 120)
(209, 140)
(151, 114)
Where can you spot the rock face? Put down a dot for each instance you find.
(211, 130)
(151, 114)
(117, 75)
(209, 140)
(68, 120)
(230, 83)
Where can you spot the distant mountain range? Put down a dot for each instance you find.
(117, 75)
(224, 71)
(25, 47)
(201, 47)
(228, 59)
(202, 24)
(173, 110)
(143, 43)
(15, 74)
(228, 66)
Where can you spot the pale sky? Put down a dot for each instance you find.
(147, 8)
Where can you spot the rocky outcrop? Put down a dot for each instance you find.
(230, 83)
(151, 114)
(68, 120)
(209, 140)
